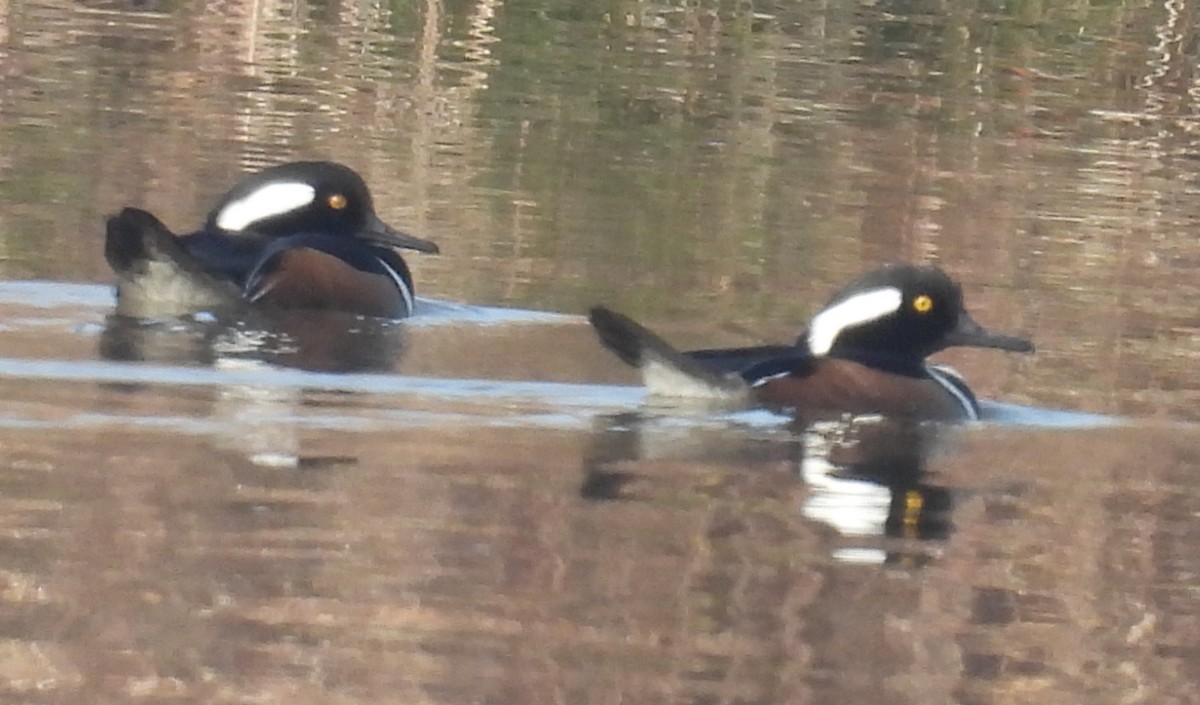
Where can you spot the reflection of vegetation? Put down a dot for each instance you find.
(709, 150)
(685, 159)
(636, 142)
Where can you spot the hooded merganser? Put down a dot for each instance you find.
(297, 235)
(863, 353)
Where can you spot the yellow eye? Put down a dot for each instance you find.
(337, 201)
(922, 304)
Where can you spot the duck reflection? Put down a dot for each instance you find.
(259, 422)
(864, 477)
(318, 341)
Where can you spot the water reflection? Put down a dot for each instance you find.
(867, 479)
(276, 536)
(863, 477)
(261, 418)
(319, 341)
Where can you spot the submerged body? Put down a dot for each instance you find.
(299, 235)
(863, 353)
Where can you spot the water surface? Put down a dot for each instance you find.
(477, 505)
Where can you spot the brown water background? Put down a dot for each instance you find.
(480, 519)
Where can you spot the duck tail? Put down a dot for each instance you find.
(156, 275)
(134, 237)
(666, 372)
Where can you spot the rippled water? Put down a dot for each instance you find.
(476, 505)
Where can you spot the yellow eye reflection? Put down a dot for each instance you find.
(337, 201)
(922, 304)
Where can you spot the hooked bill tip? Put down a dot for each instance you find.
(1012, 343)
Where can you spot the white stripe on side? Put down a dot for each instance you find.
(763, 380)
(868, 306)
(267, 202)
(404, 290)
(952, 382)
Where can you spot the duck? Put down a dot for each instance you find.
(863, 353)
(300, 235)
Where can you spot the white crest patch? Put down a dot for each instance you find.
(861, 308)
(269, 201)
